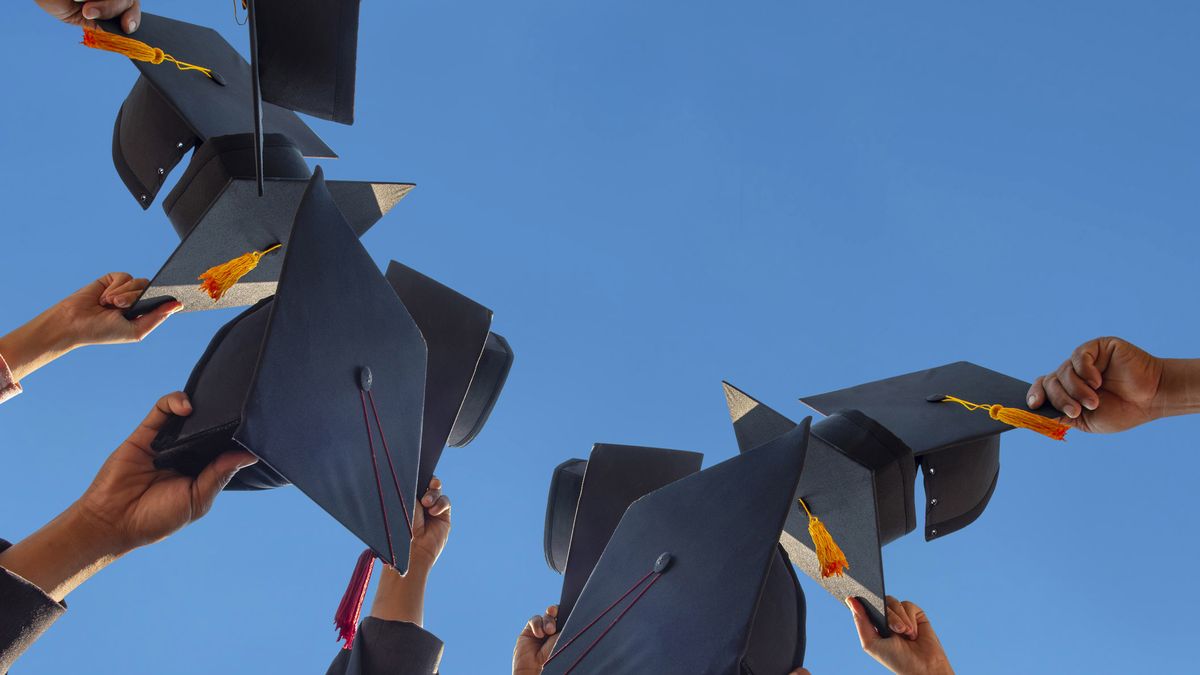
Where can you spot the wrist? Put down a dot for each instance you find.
(1178, 389)
(62, 555)
(35, 344)
(401, 598)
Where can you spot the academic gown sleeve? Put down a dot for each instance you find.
(25, 613)
(391, 648)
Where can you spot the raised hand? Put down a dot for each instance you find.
(913, 650)
(1109, 385)
(536, 643)
(80, 13)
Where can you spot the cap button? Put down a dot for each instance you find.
(365, 378)
(663, 562)
(933, 532)
(933, 502)
(931, 471)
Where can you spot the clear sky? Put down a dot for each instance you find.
(792, 195)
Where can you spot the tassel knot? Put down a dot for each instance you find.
(134, 49)
(350, 609)
(216, 281)
(829, 555)
(1016, 417)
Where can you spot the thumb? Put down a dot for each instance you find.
(867, 635)
(146, 323)
(215, 477)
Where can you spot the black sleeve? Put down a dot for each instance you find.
(25, 613)
(391, 647)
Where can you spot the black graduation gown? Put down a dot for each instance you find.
(391, 647)
(25, 613)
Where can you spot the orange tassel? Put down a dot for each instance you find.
(829, 555)
(134, 49)
(218, 280)
(1017, 417)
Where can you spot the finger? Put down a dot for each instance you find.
(898, 619)
(122, 299)
(435, 483)
(1083, 360)
(105, 9)
(916, 613)
(535, 627)
(430, 497)
(441, 507)
(550, 625)
(215, 477)
(552, 610)
(1076, 388)
(132, 17)
(1036, 396)
(114, 279)
(146, 323)
(867, 635)
(1059, 398)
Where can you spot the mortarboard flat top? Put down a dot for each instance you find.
(328, 360)
(686, 569)
(857, 479)
(308, 55)
(148, 144)
(901, 404)
(216, 210)
(588, 509)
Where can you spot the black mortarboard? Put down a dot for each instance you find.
(456, 332)
(693, 580)
(217, 212)
(588, 498)
(858, 480)
(958, 449)
(303, 56)
(326, 386)
(170, 110)
(308, 55)
(465, 371)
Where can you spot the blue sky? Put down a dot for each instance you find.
(795, 196)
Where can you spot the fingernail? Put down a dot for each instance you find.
(897, 629)
(1090, 405)
(249, 462)
(1072, 411)
(550, 628)
(850, 603)
(91, 13)
(122, 303)
(132, 26)
(427, 500)
(1032, 401)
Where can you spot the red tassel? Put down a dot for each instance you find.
(349, 611)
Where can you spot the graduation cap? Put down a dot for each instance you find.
(693, 579)
(325, 386)
(233, 241)
(855, 495)
(468, 364)
(951, 417)
(303, 56)
(588, 497)
(464, 366)
(194, 87)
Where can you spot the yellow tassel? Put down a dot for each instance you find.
(829, 555)
(217, 280)
(134, 49)
(1017, 417)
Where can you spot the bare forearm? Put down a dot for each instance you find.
(401, 598)
(60, 556)
(34, 345)
(1179, 389)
